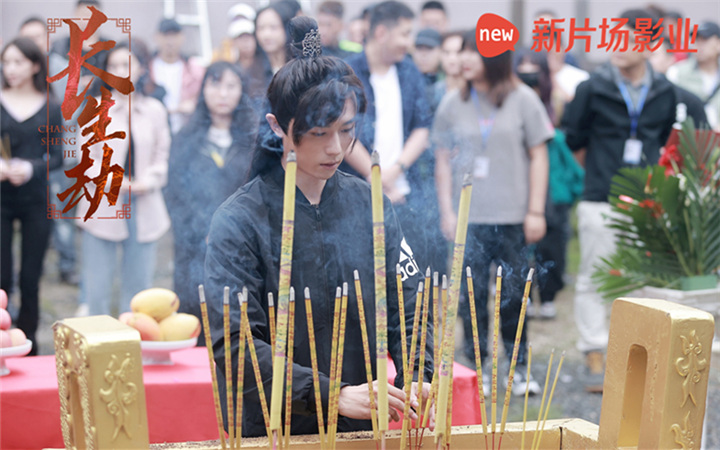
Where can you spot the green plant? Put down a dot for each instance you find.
(667, 218)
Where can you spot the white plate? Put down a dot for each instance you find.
(158, 352)
(13, 352)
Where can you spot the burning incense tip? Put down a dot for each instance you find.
(271, 301)
(338, 292)
(468, 271)
(292, 294)
(397, 268)
(356, 274)
(245, 294)
(240, 298)
(499, 271)
(435, 279)
(201, 291)
(444, 282)
(428, 272)
(307, 293)
(226, 296)
(530, 274)
(291, 156)
(420, 287)
(467, 179)
(345, 289)
(375, 158)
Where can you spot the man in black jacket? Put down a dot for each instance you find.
(620, 117)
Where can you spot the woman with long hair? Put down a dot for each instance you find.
(143, 155)
(314, 104)
(27, 120)
(496, 128)
(209, 160)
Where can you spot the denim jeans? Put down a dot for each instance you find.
(63, 236)
(100, 258)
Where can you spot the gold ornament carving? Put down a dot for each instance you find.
(690, 365)
(121, 393)
(684, 436)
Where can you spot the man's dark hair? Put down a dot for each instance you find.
(332, 8)
(389, 14)
(433, 4)
(94, 3)
(32, 19)
(633, 14)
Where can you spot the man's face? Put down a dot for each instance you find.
(427, 59)
(245, 45)
(629, 58)
(169, 43)
(708, 49)
(450, 56)
(330, 28)
(395, 41)
(35, 31)
(433, 18)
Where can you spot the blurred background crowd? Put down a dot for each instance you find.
(540, 132)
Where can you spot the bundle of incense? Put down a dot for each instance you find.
(542, 402)
(332, 417)
(242, 299)
(378, 218)
(423, 343)
(271, 317)
(341, 353)
(516, 350)
(228, 366)
(409, 370)
(476, 345)
(366, 348)
(527, 393)
(552, 392)
(288, 232)
(211, 360)
(448, 349)
(496, 334)
(289, 372)
(315, 371)
(256, 370)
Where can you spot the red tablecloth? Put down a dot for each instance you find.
(179, 401)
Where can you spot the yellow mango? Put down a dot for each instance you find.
(179, 327)
(147, 326)
(157, 303)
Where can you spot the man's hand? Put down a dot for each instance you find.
(19, 172)
(426, 390)
(354, 402)
(534, 227)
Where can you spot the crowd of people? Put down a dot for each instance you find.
(535, 132)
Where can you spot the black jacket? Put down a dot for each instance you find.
(331, 240)
(597, 120)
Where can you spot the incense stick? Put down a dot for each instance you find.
(496, 334)
(423, 344)
(258, 376)
(542, 403)
(516, 350)
(380, 293)
(211, 360)
(478, 358)
(283, 295)
(448, 350)
(552, 392)
(410, 369)
(315, 371)
(289, 372)
(332, 417)
(271, 316)
(228, 366)
(341, 354)
(242, 299)
(366, 348)
(527, 392)
(436, 350)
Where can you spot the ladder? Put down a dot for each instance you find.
(199, 19)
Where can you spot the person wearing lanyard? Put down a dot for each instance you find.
(496, 128)
(621, 116)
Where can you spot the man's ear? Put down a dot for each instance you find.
(274, 125)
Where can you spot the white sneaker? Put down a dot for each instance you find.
(520, 384)
(548, 310)
(83, 310)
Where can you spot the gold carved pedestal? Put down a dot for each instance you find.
(100, 383)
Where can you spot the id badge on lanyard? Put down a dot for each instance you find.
(481, 165)
(632, 152)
